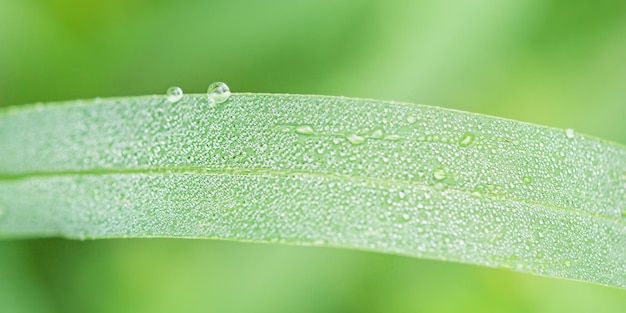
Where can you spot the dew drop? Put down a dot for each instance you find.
(569, 133)
(305, 130)
(526, 180)
(217, 93)
(406, 216)
(440, 174)
(411, 119)
(476, 194)
(393, 137)
(466, 140)
(377, 134)
(568, 263)
(355, 139)
(174, 94)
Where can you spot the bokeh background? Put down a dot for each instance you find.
(560, 63)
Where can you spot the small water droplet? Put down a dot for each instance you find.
(406, 216)
(440, 174)
(217, 93)
(355, 139)
(466, 139)
(476, 194)
(411, 119)
(305, 130)
(569, 133)
(527, 179)
(174, 94)
(377, 134)
(393, 137)
(568, 263)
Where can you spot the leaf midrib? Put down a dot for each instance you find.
(274, 172)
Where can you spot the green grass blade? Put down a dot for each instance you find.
(313, 170)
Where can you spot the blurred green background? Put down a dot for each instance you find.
(553, 62)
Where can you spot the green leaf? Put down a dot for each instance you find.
(313, 170)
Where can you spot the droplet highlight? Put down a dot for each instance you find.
(355, 139)
(174, 94)
(440, 174)
(466, 139)
(377, 134)
(217, 93)
(569, 133)
(305, 130)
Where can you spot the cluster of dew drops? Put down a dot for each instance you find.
(217, 93)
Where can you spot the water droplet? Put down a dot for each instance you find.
(406, 216)
(411, 119)
(305, 130)
(476, 194)
(377, 134)
(440, 174)
(466, 140)
(527, 179)
(355, 139)
(393, 137)
(569, 133)
(567, 263)
(174, 94)
(217, 93)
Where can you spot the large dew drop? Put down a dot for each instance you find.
(174, 94)
(569, 133)
(217, 93)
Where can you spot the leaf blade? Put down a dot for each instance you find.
(365, 174)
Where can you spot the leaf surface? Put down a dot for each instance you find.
(314, 170)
